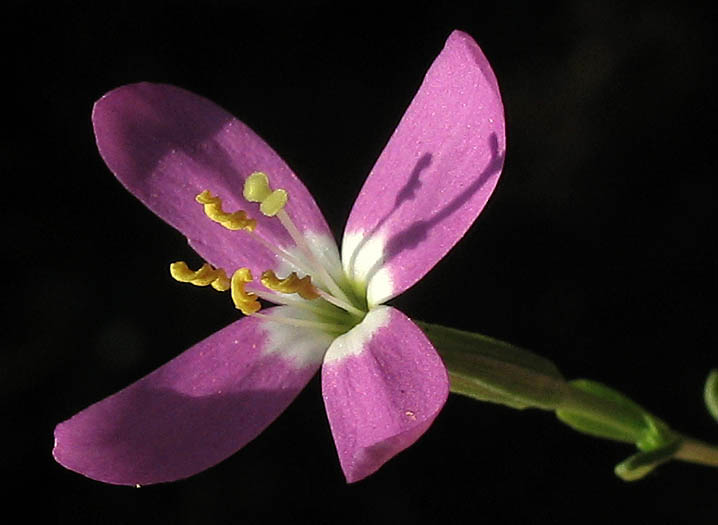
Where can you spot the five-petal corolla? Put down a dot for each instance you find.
(382, 381)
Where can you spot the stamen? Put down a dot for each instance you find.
(245, 301)
(290, 284)
(206, 275)
(237, 220)
(303, 323)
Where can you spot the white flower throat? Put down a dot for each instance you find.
(334, 302)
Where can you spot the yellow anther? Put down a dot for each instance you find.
(206, 275)
(237, 220)
(256, 189)
(245, 301)
(291, 284)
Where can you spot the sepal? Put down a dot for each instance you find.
(631, 423)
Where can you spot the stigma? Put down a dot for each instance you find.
(327, 295)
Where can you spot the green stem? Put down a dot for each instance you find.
(695, 451)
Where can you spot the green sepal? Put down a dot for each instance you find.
(595, 428)
(711, 393)
(638, 465)
(490, 370)
(475, 389)
(657, 435)
(629, 423)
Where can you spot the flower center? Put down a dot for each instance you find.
(330, 303)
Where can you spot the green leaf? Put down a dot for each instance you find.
(474, 388)
(609, 394)
(605, 413)
(640, 464)
(596, 428)
(490, 370)
(453, 340)
(711, 393)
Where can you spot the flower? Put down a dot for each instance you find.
(382, 381)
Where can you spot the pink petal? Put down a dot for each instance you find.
(196, 410)
(383, 385)
(166, 145)
(434, 176)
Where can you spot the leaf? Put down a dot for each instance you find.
(474, 343)
(483, 392)
(626, 423)
(593, 427)
(711, 393)
(598, 410)
(490, 370)
(638, 465)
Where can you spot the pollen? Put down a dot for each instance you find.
(256, 189)
(206, 275)
(245, 301)
(237, 220)
(290, 284)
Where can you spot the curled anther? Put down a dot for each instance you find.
(206, 275)
(290, 284)
(245, 301)
(237, 220)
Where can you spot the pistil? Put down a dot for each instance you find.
(310, 306)
(280, 252)
(339, 303)
(324, 276)
(272, 203)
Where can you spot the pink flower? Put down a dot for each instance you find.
(382, 381)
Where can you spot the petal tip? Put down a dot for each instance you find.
(460, 40)
(368, 460)
(458, 34)
(56, 446)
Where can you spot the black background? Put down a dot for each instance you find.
(597, 249)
